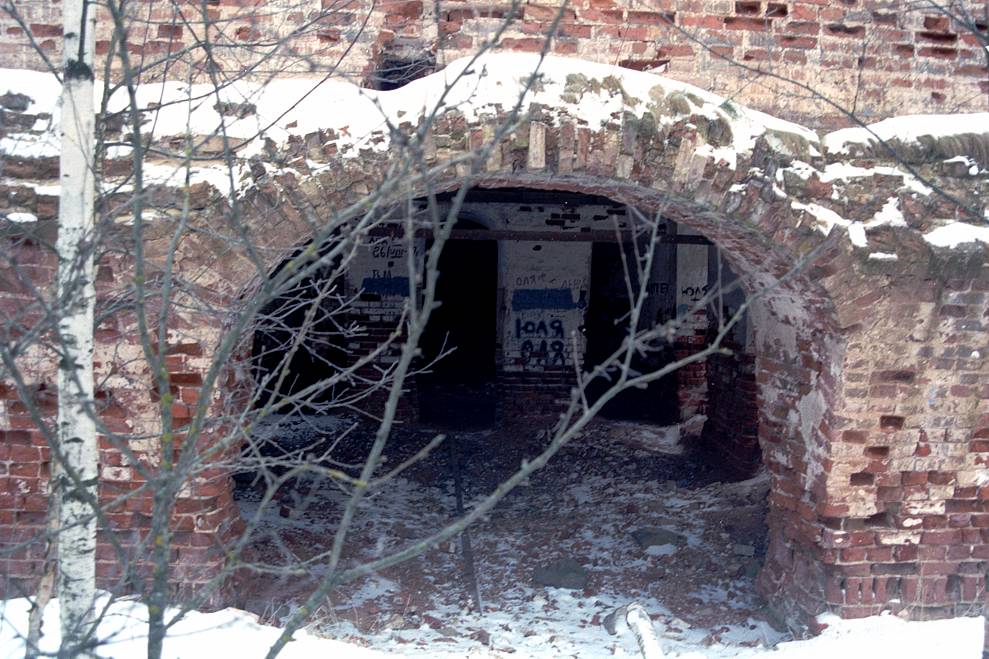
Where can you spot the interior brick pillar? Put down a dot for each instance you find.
(691, 286)
(731, 432)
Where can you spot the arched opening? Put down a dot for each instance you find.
(648, 501)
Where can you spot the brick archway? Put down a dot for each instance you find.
(800, 358)
(838, 539)
(870, 371)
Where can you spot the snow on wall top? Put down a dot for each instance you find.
(298, 106)
(359, 120)
(908, 129)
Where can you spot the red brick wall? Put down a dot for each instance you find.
(731, 432)
(874, 57)
(523, 394)
(692, 380)
(872, 377)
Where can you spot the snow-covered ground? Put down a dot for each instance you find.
(637, 519)
(235, 633)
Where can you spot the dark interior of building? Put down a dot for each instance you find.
(632, 482)
(606, 327)
(459, 345)
(299, 341)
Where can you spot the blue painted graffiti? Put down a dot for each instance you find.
(386, 285)
(542, 299)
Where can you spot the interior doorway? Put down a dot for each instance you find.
(459, 343)
(607, 324)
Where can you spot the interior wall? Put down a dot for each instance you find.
(692, 336)
(545, 296)
(544, 292)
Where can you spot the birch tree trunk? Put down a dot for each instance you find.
(75, 486)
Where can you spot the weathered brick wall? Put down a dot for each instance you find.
(877, 58)
(871, 372)
(692, 379)
(905, 517)
(129, 406)
(731, 432)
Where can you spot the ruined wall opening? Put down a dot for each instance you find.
(534, 286)
(298, 338)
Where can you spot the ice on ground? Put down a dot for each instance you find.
(123, 634)
(888, 636)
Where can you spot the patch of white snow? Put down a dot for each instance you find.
(957, 233)
(907, 129)
(21, 217)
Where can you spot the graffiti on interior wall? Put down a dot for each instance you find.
(379, 261)
(693, 293)
(688, 296)
(546, 299)
(538, 328)
(659, 288)
(389, 250)
(385, 284)
(542, 342)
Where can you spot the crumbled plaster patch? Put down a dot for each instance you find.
(809, 414)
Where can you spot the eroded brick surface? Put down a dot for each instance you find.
(879, 57)
(869, 375)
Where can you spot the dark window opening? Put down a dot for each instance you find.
(299, 344)
(394, 71)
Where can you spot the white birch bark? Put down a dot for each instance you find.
(645, 635)
(75, 486)
(639, 622)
